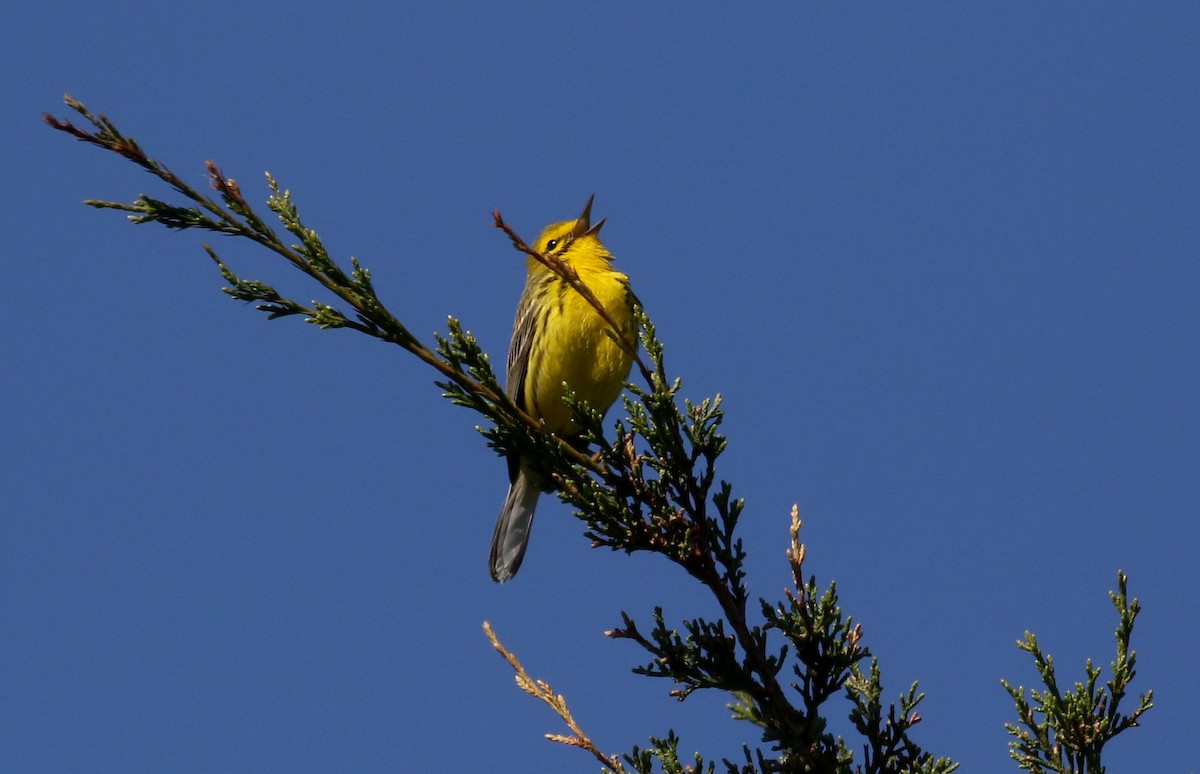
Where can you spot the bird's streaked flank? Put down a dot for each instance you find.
(559, 340)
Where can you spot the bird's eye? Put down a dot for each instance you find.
(553, 243)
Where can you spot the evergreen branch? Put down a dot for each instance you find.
(234, 216)
(887, 746)
(1066, 732)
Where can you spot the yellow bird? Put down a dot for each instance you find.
(559, 340)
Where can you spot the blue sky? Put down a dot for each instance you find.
(941, 262)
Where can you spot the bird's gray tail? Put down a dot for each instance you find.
(512, 527)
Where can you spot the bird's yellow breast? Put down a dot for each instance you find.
(578, 347)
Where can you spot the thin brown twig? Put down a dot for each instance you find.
(390, 329)
(541, 690)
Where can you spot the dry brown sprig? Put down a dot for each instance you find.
(542, 690)
(795, 552)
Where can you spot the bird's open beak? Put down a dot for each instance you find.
(583, 225)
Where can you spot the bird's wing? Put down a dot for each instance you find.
(530, 314)
(524, 331)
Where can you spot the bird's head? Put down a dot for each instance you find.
(571, 239)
